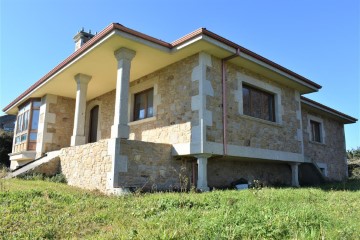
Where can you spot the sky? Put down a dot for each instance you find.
(316, 39)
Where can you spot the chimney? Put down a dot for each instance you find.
(81, 38)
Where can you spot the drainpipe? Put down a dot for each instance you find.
(224, 96)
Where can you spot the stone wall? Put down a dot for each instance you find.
(248, 131)
(62, 128)
(332, 152)
(56, 123)
(86, 166)
(151, 167)
(222, 172)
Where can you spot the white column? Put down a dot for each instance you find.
(120, 129)
(78, 136)
(295, 174)
(202, 160)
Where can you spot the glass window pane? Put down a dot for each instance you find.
(26, 121)
(143, 104)
(150, 96)
(23, 137)
(35, 119)
(257, 103)
(27, 107)
(246, 101)
(36, 104)
(315, 131)
(33, 136)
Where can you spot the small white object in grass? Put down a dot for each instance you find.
(242, 186)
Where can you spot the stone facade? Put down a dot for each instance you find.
(332, 152)
(86, 166)
(56, 123)
(245, 130)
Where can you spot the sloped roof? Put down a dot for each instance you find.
(174, 44)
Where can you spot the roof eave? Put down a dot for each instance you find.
(346, 118)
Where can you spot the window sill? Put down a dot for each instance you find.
(275, 124)
(317, 143)
(142, 121)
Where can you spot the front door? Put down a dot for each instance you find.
(94, 114)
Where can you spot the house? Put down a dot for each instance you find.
(128, 111)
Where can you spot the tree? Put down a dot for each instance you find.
(353, 154)
(6, 139)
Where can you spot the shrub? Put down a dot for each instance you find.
(58, 178)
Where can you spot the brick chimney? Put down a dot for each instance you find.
(81, 38)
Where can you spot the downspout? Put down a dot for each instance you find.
(224, 96)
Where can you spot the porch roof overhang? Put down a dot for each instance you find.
(96, 58)
(327, 111)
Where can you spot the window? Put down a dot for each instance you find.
(143, 104)
(27, 124)
(257, 103)
(315, 131)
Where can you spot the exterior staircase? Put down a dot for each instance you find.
(49, 165)
(310, 174)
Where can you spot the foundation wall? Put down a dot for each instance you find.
(151, 167)
(86, 166)
(222, 172)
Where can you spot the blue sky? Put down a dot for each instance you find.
(317, 39)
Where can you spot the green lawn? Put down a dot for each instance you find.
(40, 209)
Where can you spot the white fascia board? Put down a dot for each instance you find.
(23, 99)
(187, 43)
(142, 41)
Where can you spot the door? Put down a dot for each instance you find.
(94, 115)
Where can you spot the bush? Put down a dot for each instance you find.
(6, 139)
(58, 178)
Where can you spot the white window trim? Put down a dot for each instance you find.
(322, 131)
(151, 83)
(242, 78)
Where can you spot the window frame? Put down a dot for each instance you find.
(24, 128)
(243, 79)
(270, 102)
(320, 122)
(315, 131)
(146, 92)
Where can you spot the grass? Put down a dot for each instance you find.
(40, 209)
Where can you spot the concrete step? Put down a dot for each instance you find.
(48, 165)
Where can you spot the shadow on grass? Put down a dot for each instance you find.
(349, 185)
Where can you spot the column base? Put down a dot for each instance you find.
(77, 140)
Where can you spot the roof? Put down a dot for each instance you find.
(194, 34)
(326, 109)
